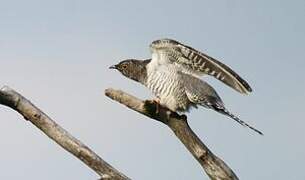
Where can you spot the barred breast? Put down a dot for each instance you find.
(166, 84)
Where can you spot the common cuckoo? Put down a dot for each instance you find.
(173, 75)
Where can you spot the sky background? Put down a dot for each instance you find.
(57, 53)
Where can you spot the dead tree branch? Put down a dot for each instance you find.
(14, 100)
(213, 166)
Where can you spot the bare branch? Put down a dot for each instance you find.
(213, 166)
(11, 98)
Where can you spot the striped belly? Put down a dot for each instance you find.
(167, 86)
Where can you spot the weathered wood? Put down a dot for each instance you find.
(215, 168)
(11, 98)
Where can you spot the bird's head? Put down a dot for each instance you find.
(132, 68)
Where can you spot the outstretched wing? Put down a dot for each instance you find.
(196, 63)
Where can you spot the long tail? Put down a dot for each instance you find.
(227, 113)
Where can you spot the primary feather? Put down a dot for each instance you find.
(191, 61)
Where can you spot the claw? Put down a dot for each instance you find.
(158, 106)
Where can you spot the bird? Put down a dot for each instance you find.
(174, 72)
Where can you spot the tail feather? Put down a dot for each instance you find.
(227, 113)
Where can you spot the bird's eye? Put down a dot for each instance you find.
(124, 66)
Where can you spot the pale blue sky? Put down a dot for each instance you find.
(57, 54)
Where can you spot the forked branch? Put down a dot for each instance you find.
(212, 165)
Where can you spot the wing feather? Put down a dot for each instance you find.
(196, 63)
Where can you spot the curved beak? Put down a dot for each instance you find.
(113, 67)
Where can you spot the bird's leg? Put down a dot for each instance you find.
(154, 106)
(156, 100)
